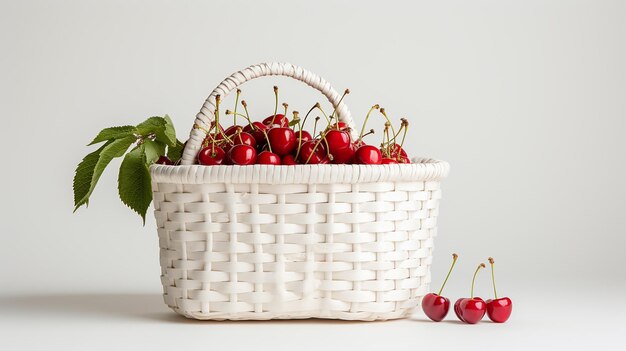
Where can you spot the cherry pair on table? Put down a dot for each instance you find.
(469, 310)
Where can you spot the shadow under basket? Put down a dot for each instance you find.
(309, 241)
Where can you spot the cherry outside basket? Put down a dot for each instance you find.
(308, 241)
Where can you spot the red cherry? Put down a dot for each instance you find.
(242, 155)
(226, 147)
(397, 149)
(368, 155)
(471, 310)
(314, 155)
(279, 120)
(338, 141)
(232, 130)
(256, 131)
(499, 309)
(289, 160)
(389, 161)
(436, 306)
(345, 156)
(306, 136)
(268, 158)
(211, 156)
(164, 160)
(243, 138)
(282, 140)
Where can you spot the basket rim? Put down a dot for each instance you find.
(422, 169)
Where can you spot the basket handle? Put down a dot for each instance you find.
(206, 114)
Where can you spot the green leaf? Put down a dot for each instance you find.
(84, 175)
(161, 127)
(111, 150)
(151, 126)
(153, 150)
(169, 133)
(113, 133)
(134, 182)
(174, 153)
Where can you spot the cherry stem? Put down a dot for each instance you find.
(317, 119)
(307, 115)
(454, 257)
(247, 116)
(322, 137)
(285, 105)
(235, 109)
(217, 119)
(493, 278)
(269, 145)
(275, 103)
(296, 118)
(372, 131)
(346, 92)
(482, 265)
(382, 111)
(386, 134)
(319, 107)
(367, 117)
(406, 128)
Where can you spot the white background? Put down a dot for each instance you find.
(525, 99)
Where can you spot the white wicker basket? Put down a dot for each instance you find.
(309, 241)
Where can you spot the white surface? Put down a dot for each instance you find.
(524, 98)
(542, 319)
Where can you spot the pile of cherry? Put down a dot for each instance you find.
(469, 310)
(280, 141)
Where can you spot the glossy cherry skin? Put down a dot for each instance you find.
(345, 156)
(499, 310)
(282, 140)
(232, 130)
(279, 120)
(164, 160)
(243, 138)
(256, 132)
(368, 155)
(389, 161)
(435, 306)
(210, 156)
(337, 142)
(289, 160)
(242, 155)
(470, 311)
(307, 152)
(306, 136)
(268, 158)
(397, 149)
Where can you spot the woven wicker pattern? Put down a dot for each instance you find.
(330, 241)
